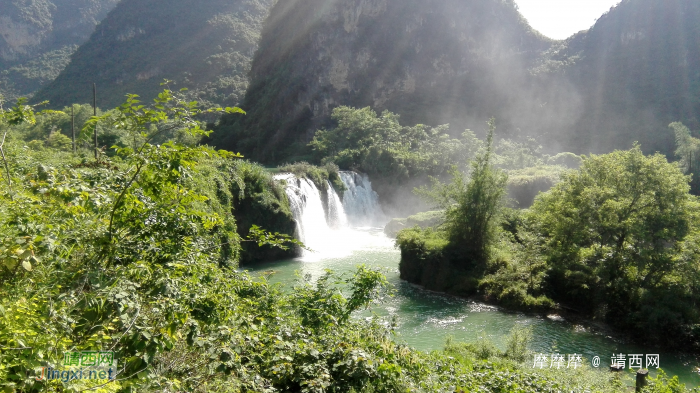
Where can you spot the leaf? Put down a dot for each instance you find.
(234, 110)
(27, 266)
(10, 263)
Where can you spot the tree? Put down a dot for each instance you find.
(159, 219)
(688, 153)
(18, 114)
(613, 232)
(59, 141)
(381, 146)
(472, 208)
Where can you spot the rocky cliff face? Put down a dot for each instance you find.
(637, 69)
(206, 46)
(431, 61)
(461, 62)
(37, 38)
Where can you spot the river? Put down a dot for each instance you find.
(425, 319)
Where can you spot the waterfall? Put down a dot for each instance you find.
(361, 203)
(323, 221)
(317, 227)
(306, 205)
(336, 217)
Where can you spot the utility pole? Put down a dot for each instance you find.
(94, 113)
(72, 124)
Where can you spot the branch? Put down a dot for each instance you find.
(127, 329)
(7, 167)
(16, 349)
(119, 199)
(155, 134)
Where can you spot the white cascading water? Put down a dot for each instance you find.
(329, 233)
(336, 217)
(360, 201)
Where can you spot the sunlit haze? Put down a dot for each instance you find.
(560, 19)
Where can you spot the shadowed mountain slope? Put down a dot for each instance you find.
(460, 62)
(205, 46)
(430, 61)
(638, 70)
(37, 38)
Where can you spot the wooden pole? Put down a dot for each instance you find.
(641, 379)
(94, 113)
(72, 124)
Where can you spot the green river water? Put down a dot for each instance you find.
(426, 318)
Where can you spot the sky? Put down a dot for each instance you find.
(560, 19)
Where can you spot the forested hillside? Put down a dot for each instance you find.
(204, 46)
(37, 38)
(458, 62)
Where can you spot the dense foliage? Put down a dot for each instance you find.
(317, 174)
(258, 201)
(204, 46)
(688, 154)
(615, 240)
(619, 240)
(399, 158)
(472, 209)
(396, 157)
(379, 146)
(136, 254)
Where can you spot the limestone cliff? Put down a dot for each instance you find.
(637, 70)
(461, 62)
(431, 61)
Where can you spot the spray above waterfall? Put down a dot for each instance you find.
(325, 221)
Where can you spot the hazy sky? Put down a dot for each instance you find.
(560, 19)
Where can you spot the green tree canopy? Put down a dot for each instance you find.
(380, 145)
(472, 207)
(613, 233)
(688, 153)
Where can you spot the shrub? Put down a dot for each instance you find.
(566, 159)
(59, 141)
(36, 145)
(319, 175)
(525, 184)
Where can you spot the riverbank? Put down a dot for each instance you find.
(425, 319)
(427, 261)
(616, 240)
(422, 319)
